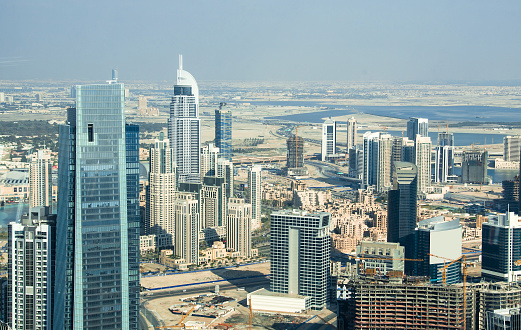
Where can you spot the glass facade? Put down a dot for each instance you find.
(98, 214)
(223, 133)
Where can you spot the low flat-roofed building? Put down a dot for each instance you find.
(263, 300)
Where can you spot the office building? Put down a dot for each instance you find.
(377, 160)
(184, 126)
(380, 257)
(40, 179)
(2, 97)
(161, 193)
(209, 156)
(238, 227)
(31, 256)
(501, 248)
(356, 162)
(98, 213)
(444, 164)
(422, 160)
(401, 209)
(213, 202)
(186, 209)
(441, 238)
(255, 188)
(351, 132)
(511, 148)
(300, 255)
(142, 107)
(417, 126)
(328, 139)
(474, 167)
(223, 131)
(510, 194)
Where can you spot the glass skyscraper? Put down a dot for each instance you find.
(223, 132)
(401, 210)
(97, 262)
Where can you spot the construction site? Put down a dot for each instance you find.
(375, 302)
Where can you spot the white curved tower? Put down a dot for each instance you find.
(184, 126)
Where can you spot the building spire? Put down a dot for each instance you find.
(180, 62)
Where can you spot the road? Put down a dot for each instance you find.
(248, 284)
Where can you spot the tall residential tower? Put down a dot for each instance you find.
(300, 254)
(184, 126)
(40, 179)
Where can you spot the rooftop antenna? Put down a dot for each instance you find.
(180, 62)
(447, 126)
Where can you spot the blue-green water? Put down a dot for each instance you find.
(469, 113)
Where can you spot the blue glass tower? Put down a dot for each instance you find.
(97, 265)
(223, 132)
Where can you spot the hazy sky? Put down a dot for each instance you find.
(359, 40)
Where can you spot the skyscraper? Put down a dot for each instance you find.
(445, 139)
(444, 163)
(511, 148)
(442, 238)
(186, 246)
(209, 156)
(238, 226)
(32, 247)
(328, 139)
(417, 126)
(401, 208)
(422, 157)
(501, 248)
(223, 131)
(300, 254)
(40, 179)
(225, 170)
(295, 152)
(377, 160)
(184, 126)
(474, 166)
(161, 194)
(97, 264)
(351, 132)
(254, 185)
(213, 202)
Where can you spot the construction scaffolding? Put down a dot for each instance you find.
(402, 303)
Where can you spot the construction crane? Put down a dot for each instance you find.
(181, 323)
(444, 277)
(296, 145)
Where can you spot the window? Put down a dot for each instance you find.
(91, 132)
